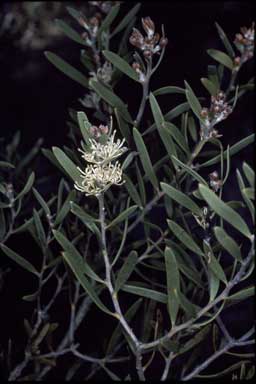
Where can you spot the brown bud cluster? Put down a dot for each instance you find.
(244, 42)
(215, 182)
(150, 44)
(219, 108)
(218, 111)
(96, 132)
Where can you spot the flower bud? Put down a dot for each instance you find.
(163, 42)
(237, 60)
(136, 66)
(103, 129)
(204, 112)
(147, 53)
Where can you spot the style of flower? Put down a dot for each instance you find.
(150, 44)
(101, 173)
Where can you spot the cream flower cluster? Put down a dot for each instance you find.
(104, 153)
(102, 173)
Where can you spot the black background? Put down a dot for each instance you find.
(35, 98)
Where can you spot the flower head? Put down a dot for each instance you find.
(244, 42)
(101, 173)
(97, 178)
(104, 153)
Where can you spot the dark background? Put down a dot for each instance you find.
(35, 98)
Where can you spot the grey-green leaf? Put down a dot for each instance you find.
(131, 189)
(209, 85)
(121, 64)
(126, 20)
(225, 41)
(181, 198)
(18, 259)
(224, 211)
(168, 90)
(67, 69)
(64, 209)
(84, 282)
(145, 292)
(84, 125)
(183, 236)
(193, 101)
(123, 215)
(42, 202)
(250, 174)
(145, 159)
(232, 151)
(227, 242)
(27, 186)
(189, 170)
(173, 284)
(70, 32)
(73, 254)
(221, 57)
(126, 270)
(67, 164)
(111, 98)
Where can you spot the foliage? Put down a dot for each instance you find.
(170, 286)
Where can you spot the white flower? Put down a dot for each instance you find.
(104, 153)
(97, 178)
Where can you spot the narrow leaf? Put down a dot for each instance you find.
(126, 20)
(123, 215)
(69, 32)
(18, 259)
(67, 164)
(75, 256)
(121, 64)
(225, 41)
(193, 101)
(112, 99)
(209, 85)
(168, 90)
(145, 159)
(189, 170)
(173, 283)
(67, 69)
(224, 211)
(109, 19)
(42, 202)
(250, 174)
(181, 198)
(227, 243)
(184, 238)
(84, 125)
(131, 189)
(145, 292)
(221, 57)
(126, 270)
(233, 150)
(27, 186)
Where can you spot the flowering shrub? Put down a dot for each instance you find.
(165, 287)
